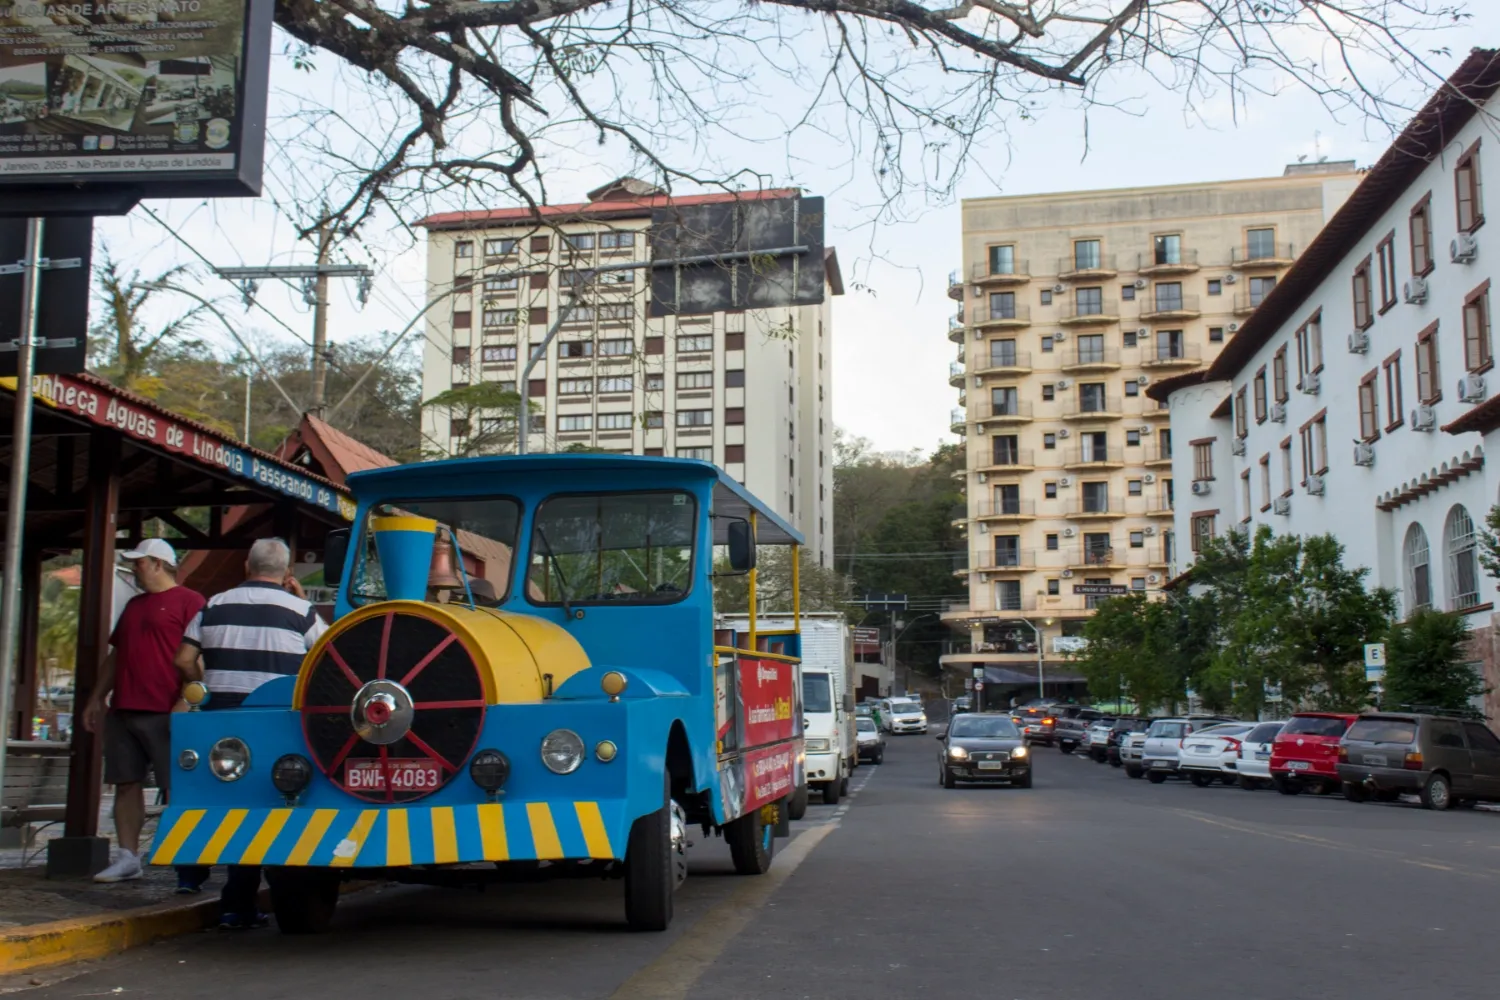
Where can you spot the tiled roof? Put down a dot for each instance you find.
(350, 454)
(612, 208)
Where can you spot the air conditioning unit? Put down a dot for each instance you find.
(1278, 412)
(984, 477)
(1153, 578)
(1423, 418)
(1359, 342)
(1201, 488)
(1282, 506)
(1066, 574)
(1142, 331)
(1364, 453)
(1065, 482)
(1068, 532)
(1060, 336)
(978, 382)
(1237, 446)
(1471, 389)
(1149, 478)
(1140, 282)
(1315, 485)
(1063, 432)
(979, 428)
(1149, 530)
(1064, 383)
(1059, 288)
(1312, 383)
(1230, 278)
(984, 528)
(1144, 428)
(1415, 290)
(1143, 380)
(1463, 249)
(1232, 327)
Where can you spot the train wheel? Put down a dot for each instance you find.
(650, 870)
(752, 843)
(303, 899)
(797, 806)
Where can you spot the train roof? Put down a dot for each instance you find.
(730, 498)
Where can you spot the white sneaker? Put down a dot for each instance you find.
(126, 866)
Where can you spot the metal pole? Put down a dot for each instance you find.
(248, 377)
(20, 461)
(1041, 670)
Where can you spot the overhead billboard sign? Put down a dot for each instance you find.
(165, 95)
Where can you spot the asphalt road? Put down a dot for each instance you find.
(1087, 885)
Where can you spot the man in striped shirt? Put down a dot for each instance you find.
(244, 637)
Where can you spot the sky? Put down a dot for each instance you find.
(890, 346)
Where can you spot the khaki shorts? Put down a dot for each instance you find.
(134, 741)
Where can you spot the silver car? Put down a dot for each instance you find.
(1161, 752)
(906, 716)
(1254, 765)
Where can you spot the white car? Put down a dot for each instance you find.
(905, 715)
(1254, 764)
(1212, 753)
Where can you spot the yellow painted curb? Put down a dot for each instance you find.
(78, 938)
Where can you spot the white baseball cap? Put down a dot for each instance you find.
(156, 548)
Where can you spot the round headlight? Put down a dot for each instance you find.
(187, 760)
(229, 759)
(291, 773)
(562, 751)
(606, 751)
(490, 769)
(1019, 752)
(958, 752)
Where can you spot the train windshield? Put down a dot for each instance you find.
(620, 548)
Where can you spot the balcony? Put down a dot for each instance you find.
(955, 286)
(1007, 561)
(1014, 460)
(1173, 356)
(1015, 315)
(1019, 274)
(1106, 409)
(1003, 510)
(1004, 363)
(1168, 307)
(956, 374)
(1155, 410)
(1094, 557)
(1184, 261)
(1089, 314)
(956, 329)
(1093, 458)
(1246, 303)
(958, 420)
(1089, 358)
(1081, 267)
(1091, 508)
(1159, 505)
(1154, 456)
(1261, 255)
(1016, 413)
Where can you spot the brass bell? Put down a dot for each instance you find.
(443, 575)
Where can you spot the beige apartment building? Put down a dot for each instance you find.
(747, 389)
(1070, 305)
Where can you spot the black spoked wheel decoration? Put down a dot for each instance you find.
(393, 707)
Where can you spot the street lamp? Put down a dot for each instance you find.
(1041, 670)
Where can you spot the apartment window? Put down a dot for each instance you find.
(1241, 417)
(1260, 243)
(1167, 249)
(1168, 296)
(1133, 487)
(736, 453)
(575, 349)
(695, 418)
(654, 418)
(1008, 595)
(734, 378)
(1094, 446)
(1278, 375)
(1259, 289)
(1477, 354)
(1170, 345)
(1091, 349)
(536, 388)
(695, 343)
(608, 311)
(1054, 587)
(575, 422)
(1137, 539)
(498, 354)
(1467, 186)
(578, 241)
(1098, 549)
(1046, 296)
(1385, 263)
(575, 386)
(499, 317)
(1245, 499)
(734, 415)
(1314, 436)
(463, 250)
(463, 319)
(1203, 460)
(1052, 542)
(1369, 408)
(1002, 354)
(501, 284)
(1049, 392)
(735, 341)
(1002, 305)
(655, 346)
(538, 281)
(1203, 530)
(1132, 437)
(1090, 301)
(1132, 387)
(616, 421)
(1164, 442)
(1128, 338)
(1086, 255)
(1310, 347)
(1095, 498)
(1260, 395)
(458, 427)
(1286, 467)
(1091, 398)
(538, 423)
(537, 315)
(1005, 449)
(1265, 482)
(695, 380)
(1049, 491)
(1003, 260)
(499, 247)
(1418, 570)
(656, 382)
(540, 244)
(1429, 379)
(1463, 563)
(701, 454)
(1215, 286)
(1216, 335)
(460, 355)
(1008, 499)
(1127, 293)
(1363, 315)
(1049, 440)
(1137, 583)
(616, 383)
(1391, 368)
(1005, 401)
(616, 241)
(1420, 227)
(1046, 345)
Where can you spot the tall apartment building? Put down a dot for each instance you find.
(749, 390)
(1070, 305)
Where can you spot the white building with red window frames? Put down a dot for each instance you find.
(1359, 399)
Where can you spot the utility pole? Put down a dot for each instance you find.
(320, 324)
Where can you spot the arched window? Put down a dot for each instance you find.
(1463, 559)
(1418, 572)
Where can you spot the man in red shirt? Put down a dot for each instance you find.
(146, 685)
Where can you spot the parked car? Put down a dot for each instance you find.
(1305, 753)
(1069, 734)
(1160, 753)
(1254, 765)
(905, 716)
(1212, 753)
(983, 746)
(1035, 723)
(1133, 746)
(864, 710)
(1447, 760)
(870, 741)
(1096, 738)
(963, 703)
(1114, 746)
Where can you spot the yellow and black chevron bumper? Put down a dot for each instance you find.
(392, 837)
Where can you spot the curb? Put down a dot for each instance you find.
(78, 938)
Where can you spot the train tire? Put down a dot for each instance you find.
(797, 805)
(752, 843)
(649, 876)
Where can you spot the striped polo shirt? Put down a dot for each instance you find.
(252, 634)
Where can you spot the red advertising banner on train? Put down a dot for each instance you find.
(768, 775)
(767, 695)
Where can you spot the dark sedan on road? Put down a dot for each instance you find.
(983, 746)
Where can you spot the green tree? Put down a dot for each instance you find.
(489, 411)
(124, 345)
(1428, 663)
(822, 589)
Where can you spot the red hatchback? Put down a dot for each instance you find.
(1306, 752)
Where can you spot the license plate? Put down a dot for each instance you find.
(1262, 755)
(407, 775)
(991, 765)
(1160, 763)
(1377, 759)
(1297, 765)
(1202, 749)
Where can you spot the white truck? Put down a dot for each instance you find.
(827, 700)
